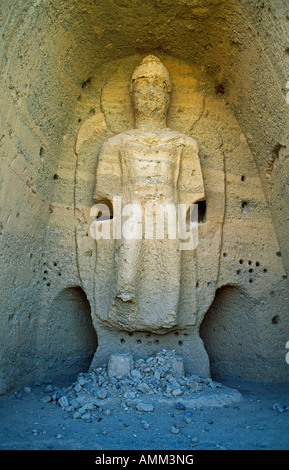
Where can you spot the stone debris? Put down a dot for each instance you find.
(63, 402)
(174, 430)
(134, 382)
(46, 399)
(119, 365)
(180, 406)
(146, 407)
(145, 424)
(280, 408)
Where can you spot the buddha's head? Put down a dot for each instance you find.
(150, 87)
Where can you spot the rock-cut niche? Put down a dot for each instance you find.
(71, 340)
(229, 334)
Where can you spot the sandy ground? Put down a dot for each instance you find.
(27, 423)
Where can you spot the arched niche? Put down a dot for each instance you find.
(70, 339)
(230, 334)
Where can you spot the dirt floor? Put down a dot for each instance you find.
(253, 423)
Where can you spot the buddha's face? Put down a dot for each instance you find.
(150, 97)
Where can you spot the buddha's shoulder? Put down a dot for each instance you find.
(118, 140)
(180, 138)
(165, 136)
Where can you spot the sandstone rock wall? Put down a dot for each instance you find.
(66, 68)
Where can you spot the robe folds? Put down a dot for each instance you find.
(147, 181)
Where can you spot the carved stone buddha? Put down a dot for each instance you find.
(149, 166)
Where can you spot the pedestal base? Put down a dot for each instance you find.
(187, 343)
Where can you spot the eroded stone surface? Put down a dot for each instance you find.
(64, 92)
(155, 169)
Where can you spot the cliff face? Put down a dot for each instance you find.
(65, 74)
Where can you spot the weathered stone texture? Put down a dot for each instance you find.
(64, 91)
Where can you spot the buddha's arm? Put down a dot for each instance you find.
(108, 173)
(190, 179)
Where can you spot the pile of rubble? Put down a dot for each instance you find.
(132, 382)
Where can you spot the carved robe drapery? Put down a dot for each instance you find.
(144, 168)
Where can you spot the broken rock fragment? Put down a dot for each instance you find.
(120, 365)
